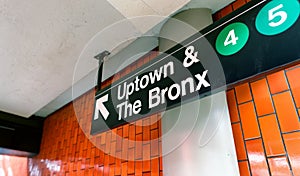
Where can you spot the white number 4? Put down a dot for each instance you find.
(231, 38)
(273, 14)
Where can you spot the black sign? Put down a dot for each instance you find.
(260, 36)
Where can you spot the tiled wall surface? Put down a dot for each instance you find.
(66, 150)
(265, 123)
(230, 8)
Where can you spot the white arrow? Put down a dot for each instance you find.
(100, 107)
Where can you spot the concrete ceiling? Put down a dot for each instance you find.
(40, 43)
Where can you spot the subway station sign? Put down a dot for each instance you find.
(257, 38)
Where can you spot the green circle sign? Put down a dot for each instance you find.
(277, 16)
(232, 39)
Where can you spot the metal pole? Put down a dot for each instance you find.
(100, 57)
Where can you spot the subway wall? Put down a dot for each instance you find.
(265, 122)
(67, 150)
(265, 119)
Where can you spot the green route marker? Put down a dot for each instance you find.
(277, 16)
(232, 39)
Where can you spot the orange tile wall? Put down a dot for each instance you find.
(265, 123)
(265, 120)
(66, 150)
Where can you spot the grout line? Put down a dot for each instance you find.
(279, 127)
(245, 101)
(232, 9)
(242, 131)
(259, 127)
(243, 160)
(254, 138)
(291, 93)
(294, 131)
(275, 156)
(273, 113)
(284, 91)
(233, 123)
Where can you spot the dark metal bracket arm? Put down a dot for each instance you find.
(100, 57)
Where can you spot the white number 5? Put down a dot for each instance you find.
(273, 14)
